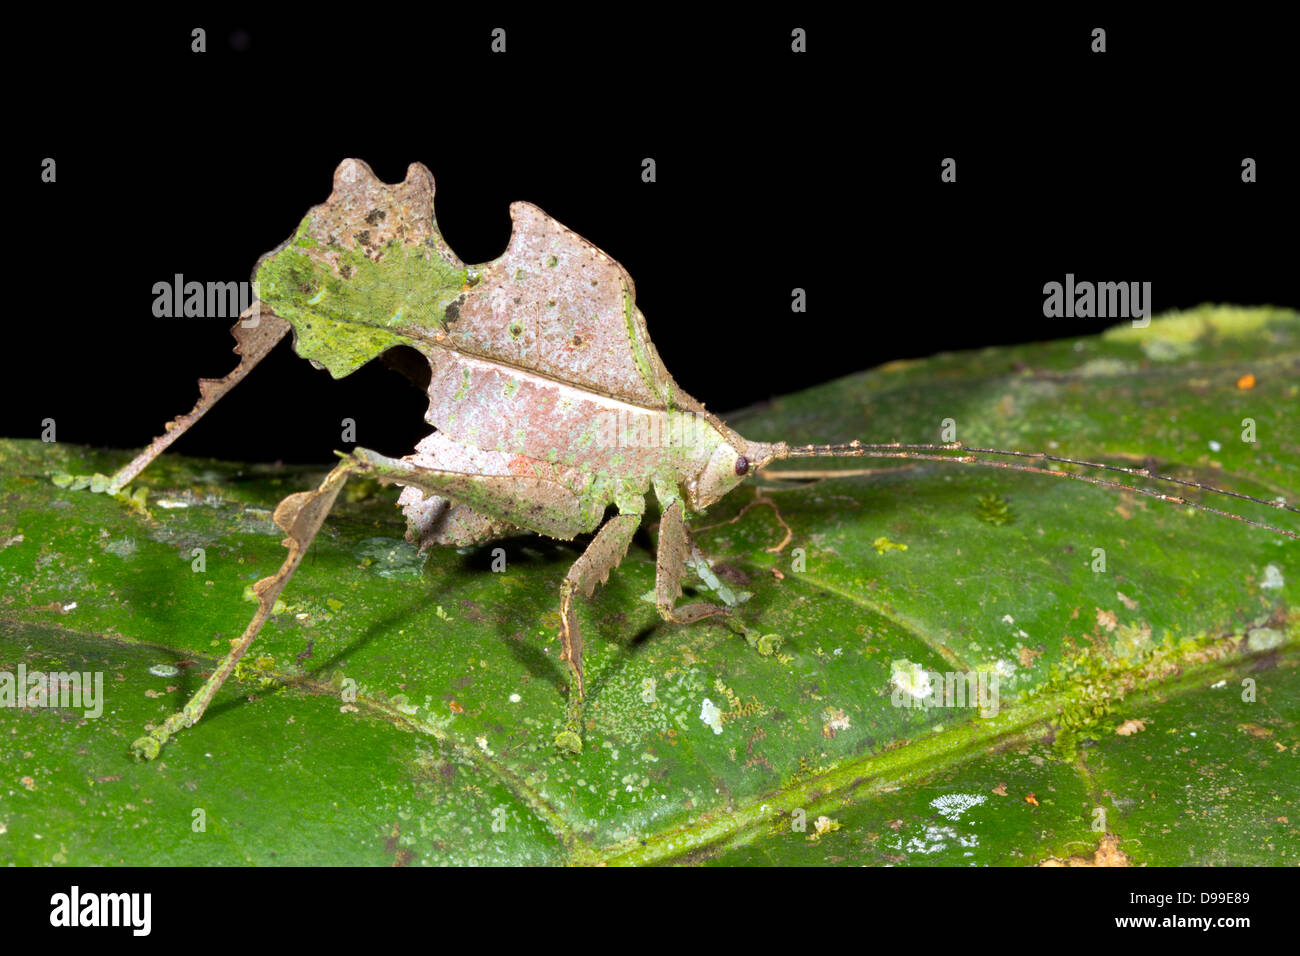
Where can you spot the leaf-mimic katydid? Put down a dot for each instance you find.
(539, 368)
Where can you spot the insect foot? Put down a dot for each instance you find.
(570, 738)
(103, 484)
(300, 516)
(150, 745)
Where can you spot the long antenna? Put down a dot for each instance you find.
(971, 456)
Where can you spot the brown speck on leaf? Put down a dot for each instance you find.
(1255, 730)
(1001, 789)
(455, 707)
(836, 720)
(472, 611)
(1027, 656)
(1131, 727)
(401, 855)
(1107, 853)
(1107, 619)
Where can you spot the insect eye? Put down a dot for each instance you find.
(742, 465)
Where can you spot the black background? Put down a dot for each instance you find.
(774, 171)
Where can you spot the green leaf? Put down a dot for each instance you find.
(1155, 700)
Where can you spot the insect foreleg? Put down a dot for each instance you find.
(675, 550)
(300, 516)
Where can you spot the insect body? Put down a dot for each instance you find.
(542, 375)
(548, 400)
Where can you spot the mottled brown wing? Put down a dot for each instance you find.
(557, 305)
(369, 269)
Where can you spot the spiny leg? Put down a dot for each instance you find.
(602, 556)
(253, 342)
(300, 516)
(676, 550)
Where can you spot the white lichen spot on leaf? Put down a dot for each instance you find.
(711, 716)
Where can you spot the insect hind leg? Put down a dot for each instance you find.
(300, 516)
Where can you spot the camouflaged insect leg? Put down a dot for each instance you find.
(602, 556)
(675, 550)
(300, 516)
(253, 341)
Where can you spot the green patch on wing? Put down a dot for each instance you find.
(346, 307)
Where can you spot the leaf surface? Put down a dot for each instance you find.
(702, 745)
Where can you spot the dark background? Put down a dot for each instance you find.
(774, 171)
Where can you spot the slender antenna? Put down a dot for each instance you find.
(1138, 472)
(970, 456)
